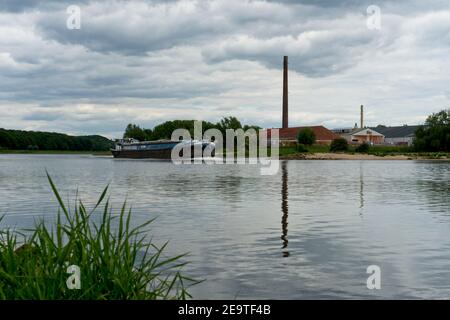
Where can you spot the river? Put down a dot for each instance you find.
(309, 231)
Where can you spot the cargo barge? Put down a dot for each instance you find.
(161, 149)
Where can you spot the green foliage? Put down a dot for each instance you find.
(165, 129)
(319, 148)
(301, 148)
(246, 127)
(388, 149)
(134, 131)
(363, 148)
(306, 136)
(229, 123)
(435, 134)
(35, 140)
(284, 151)
(116, 261)
(339, 144)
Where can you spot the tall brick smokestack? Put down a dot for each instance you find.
(285, 93)
(362, 116)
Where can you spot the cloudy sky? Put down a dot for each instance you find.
(150, 61)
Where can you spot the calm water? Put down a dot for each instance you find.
(308, 232)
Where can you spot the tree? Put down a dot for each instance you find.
(435, 134)
(339, 144)
(306, 136)
(256, 128)
(135, 132)
(165, 129)
(229, 123)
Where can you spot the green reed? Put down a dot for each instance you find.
(116, 261)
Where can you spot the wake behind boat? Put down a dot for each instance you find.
(160, 149)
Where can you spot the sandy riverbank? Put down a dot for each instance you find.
(347, 156)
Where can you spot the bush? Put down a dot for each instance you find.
(301, 148)
(115, 260)
(339, 144)
(306, 136)
(363, 148)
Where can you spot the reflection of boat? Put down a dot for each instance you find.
(161, 149)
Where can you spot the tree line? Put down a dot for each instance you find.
(36, 140)
(435, 134)
(164, 130)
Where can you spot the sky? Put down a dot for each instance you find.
(146, 62)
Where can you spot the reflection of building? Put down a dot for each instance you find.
(398, 135)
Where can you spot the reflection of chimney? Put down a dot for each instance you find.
(285, 93)
(284, 207)
(362, 116)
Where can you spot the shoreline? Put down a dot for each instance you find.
(55, 152)
(359, 156)
(292, 156)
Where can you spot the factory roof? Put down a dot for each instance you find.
(397, 132)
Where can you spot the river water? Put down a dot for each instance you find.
(309, 231)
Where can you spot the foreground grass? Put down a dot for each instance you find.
(114, 259)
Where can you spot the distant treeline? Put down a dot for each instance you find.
(35, 140)
(164, 130)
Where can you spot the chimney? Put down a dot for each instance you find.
(285, 93)
(362, 116)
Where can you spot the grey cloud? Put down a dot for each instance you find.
(26, 5)
(140, 27)
(136, 28)
(42, 116)
(313, 53)
(215, 58)
(151, 28)
(18, 6)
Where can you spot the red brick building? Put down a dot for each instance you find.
(288, 136)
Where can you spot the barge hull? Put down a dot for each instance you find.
(143, 154)
(153, 154)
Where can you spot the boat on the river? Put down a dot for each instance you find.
(160, 149)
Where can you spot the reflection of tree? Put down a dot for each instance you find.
(284, 207)
(230, 188)
(432, 187)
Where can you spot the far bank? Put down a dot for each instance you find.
(356, 156)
